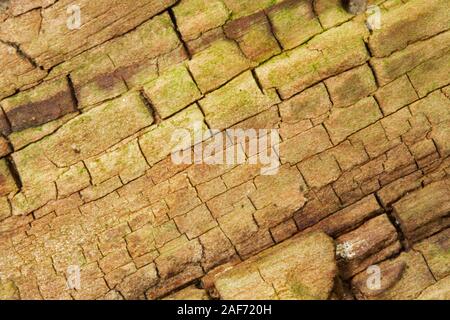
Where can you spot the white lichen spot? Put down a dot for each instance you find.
(348, 249)
(345, 250)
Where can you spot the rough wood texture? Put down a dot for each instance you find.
(361, 120)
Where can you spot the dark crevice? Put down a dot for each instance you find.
(377, 82)
(77, 54)
(88, 172)
(379, 105)
(258, 83)
(196, 283)
(342, 288)
(272, 31)
(412, 42)
(8, 142)
(22, 54)
(147, 101)
(433, 233)
(314, 9)
(177, 31)
(3, 115)
(72, 91)
(394, 221)
(157, 118)
(330, 98)
(218, 87)
(426, 263)
(412, 84)
(195, 81)
(317, 82)
(14, 171)
(366, 44)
